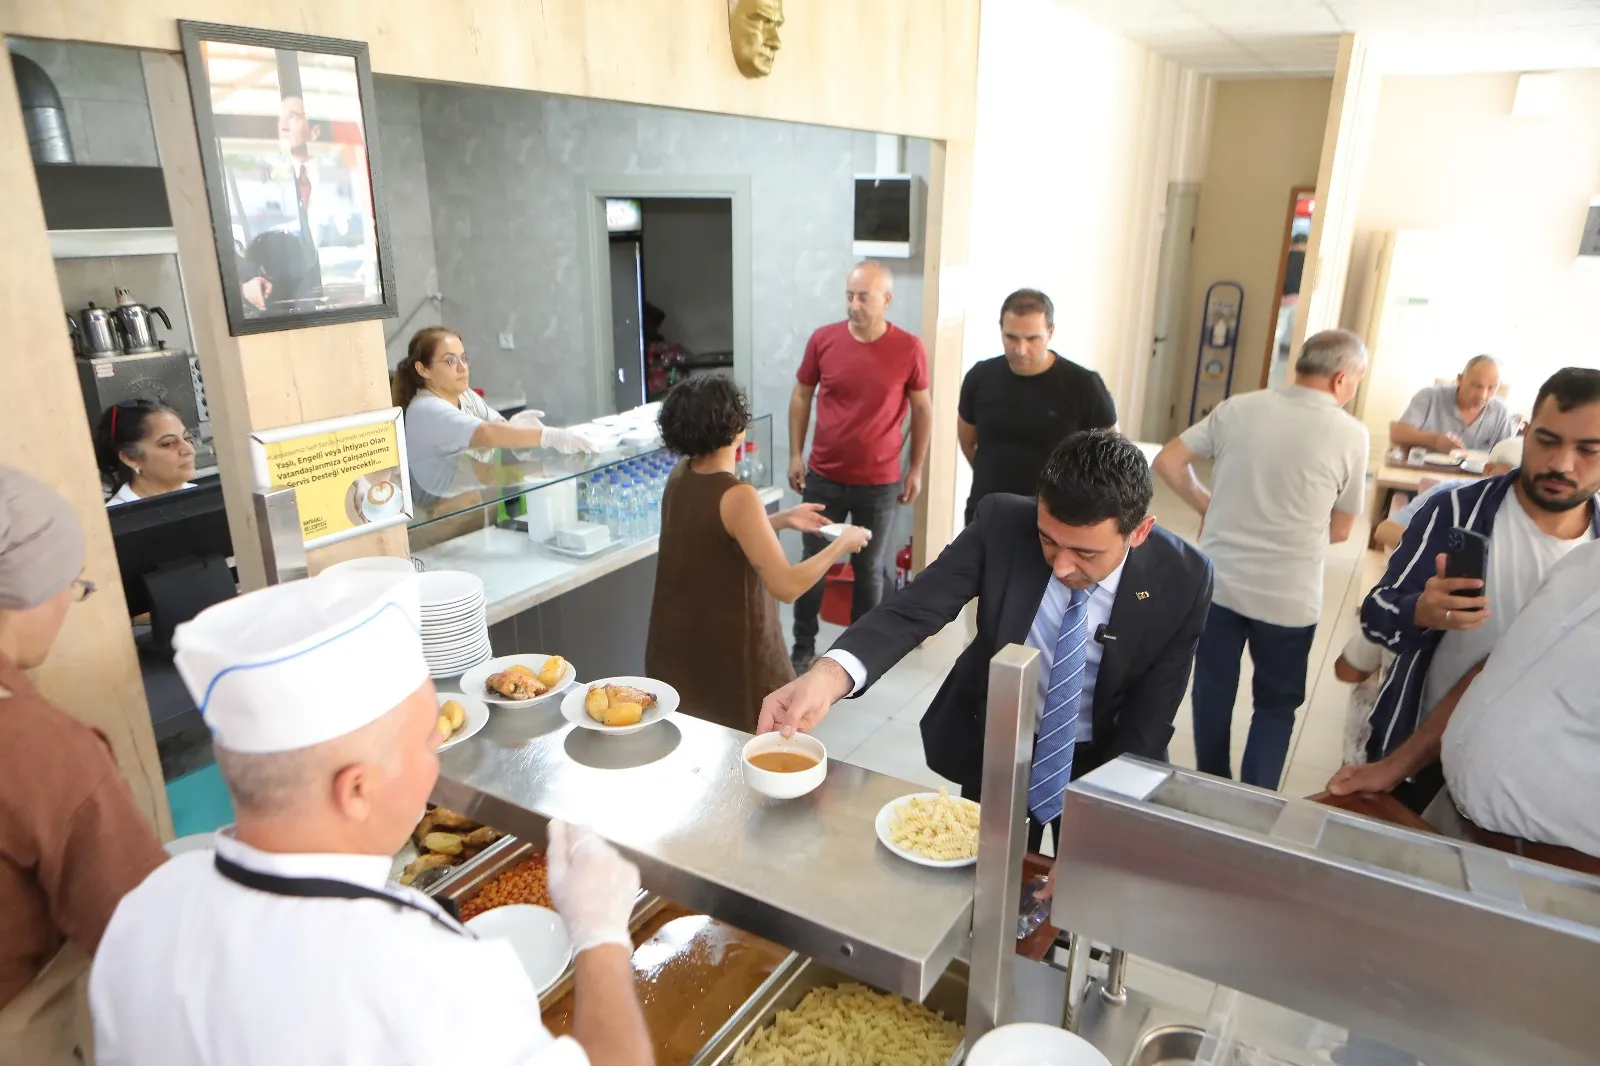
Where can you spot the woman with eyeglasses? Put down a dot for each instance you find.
(144, 450)
(446, 420)
(72, 841)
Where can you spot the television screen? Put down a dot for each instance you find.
(883, 209)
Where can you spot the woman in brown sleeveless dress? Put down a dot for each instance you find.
(714, 632)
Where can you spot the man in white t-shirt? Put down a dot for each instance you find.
(1519, 736)
(1441, 628)
(1289, 478)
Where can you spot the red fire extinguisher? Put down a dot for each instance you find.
(902, 567)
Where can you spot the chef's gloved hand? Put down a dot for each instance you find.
(529, 419)
(592, 887)
(565, 441)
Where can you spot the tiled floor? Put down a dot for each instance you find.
(879, 729)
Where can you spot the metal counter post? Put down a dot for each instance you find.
(283, 546)
(1009, 726)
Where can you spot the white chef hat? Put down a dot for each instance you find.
(304, 662)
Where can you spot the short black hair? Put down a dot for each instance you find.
(1096, 474)
(1029, 302)
(702, 414)
(1573, 386)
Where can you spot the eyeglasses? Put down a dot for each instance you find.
(453, 361)
(82, 589)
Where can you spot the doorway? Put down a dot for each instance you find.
(1172, 282)
(669, 270)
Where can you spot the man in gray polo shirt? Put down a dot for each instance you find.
(1289, 478)
(1467, 414)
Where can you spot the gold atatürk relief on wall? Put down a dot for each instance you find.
(753, 27)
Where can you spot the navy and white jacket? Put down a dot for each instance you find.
(1388, 615)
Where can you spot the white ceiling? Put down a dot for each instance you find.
(1254, 38)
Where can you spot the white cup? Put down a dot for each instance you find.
(780, 785)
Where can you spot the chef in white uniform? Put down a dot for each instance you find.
(286, 944)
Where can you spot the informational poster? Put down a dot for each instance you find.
(349, 474)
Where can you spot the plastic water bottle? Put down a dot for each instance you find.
(640, 511)
(583, 499)
(614, 507)
(741, 469)
(756, 467)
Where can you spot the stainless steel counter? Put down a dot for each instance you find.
(808, 873)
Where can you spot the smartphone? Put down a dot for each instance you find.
(1467, 555)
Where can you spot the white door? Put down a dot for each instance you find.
(1162, 387)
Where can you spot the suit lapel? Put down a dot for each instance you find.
(1135, 598)
(1029, 575)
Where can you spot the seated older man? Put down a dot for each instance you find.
(1467, 414)
(1519, 736)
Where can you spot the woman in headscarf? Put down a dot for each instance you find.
(72, 842)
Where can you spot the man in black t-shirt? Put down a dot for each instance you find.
(1015, 408)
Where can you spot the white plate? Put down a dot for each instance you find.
(885, 819)
(666, 702)
(444, 590)
(477, 717)
(469, 635)
(536, 934)
(833, 531)
(385, 564)
(464, 609)
(473, 680)
(1032, 1044)
(463, 656)
(459, 662)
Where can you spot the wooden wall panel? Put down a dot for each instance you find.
(898, 66)
(93, 672)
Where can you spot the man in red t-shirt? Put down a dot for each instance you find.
(866, 374)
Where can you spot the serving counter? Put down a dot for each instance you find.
(808, 874)
(1331, 937)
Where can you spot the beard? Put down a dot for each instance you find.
(1558, 505)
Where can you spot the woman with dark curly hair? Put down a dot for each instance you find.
(714, 633)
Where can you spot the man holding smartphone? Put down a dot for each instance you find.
(1442, 627)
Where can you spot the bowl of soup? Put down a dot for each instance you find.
(784, 767)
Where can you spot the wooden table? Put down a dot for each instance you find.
(1394, 478)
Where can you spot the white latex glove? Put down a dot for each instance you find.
(565, 441)
(592, 887)
(529, 419)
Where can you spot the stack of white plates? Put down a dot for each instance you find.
(455, 623)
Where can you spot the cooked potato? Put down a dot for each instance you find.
(525, 671)
(455, 712)
(596, 703)
(620, 714)
(445, 728)
(550, 673)
(444, 843)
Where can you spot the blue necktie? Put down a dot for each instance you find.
(1058, 728)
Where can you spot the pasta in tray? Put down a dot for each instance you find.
(850, 1025)
(944, 829)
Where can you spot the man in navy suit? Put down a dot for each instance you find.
(1114, 604)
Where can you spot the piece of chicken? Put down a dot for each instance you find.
(624, 694)
(513, 685)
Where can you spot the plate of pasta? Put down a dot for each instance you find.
(931, 829)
